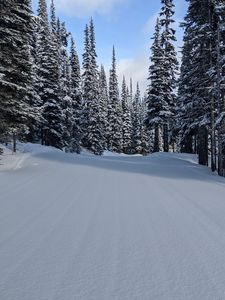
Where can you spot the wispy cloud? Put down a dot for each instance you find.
(150, 24)
(83, 8)
(135, 68)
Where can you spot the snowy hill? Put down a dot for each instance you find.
(111, 227)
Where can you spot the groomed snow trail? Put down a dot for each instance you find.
(111, 228)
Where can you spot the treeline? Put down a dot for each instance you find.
(46, 96)
(187, 112)
(201, 92)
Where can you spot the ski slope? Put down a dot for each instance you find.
(110, 228)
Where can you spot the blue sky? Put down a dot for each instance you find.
(127, 24)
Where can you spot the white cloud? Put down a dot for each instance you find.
(82, 8)
(135, 68)
(150, 24)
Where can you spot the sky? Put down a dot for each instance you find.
(127, 24)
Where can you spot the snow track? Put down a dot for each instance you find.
(111, 228)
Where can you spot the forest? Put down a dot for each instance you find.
(49, 96)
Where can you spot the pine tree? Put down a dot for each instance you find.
(170, 66)
(93, 134)
(137, 126)
(186, 117)
(115, 120)
(62, 37)
(34, 98)
(86, 83)
(49, 80)
(103, 107)
(196, 92)
(146, 134)
(15, 65)
(76, 96)
(158, 110)
(130, 93)
(126, 119)
(219, 74)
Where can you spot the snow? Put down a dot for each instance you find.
(111, 227)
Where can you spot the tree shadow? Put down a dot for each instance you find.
(164, 165)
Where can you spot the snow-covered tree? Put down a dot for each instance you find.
(170, 67)
(76, 97)
(115, 110)
(34, 99)
(146, 133)
(103, 107)
(158, 111)
(48, 72)
(126, 119)
(15, 65)
(136, 122)
(196, 89)
(220, 86)
(92, 132)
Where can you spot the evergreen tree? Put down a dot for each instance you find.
(146, 134)
(196, 92)
(63, 59)
(170, 66)
(93, 134)
(33, 99)
(103, 106)
(48, 70)
(158, 111)
(130, 93)
(76, 96)
(115, 121)
(137, 126)
(126, 119)
(220, 87)
(61, 35)
(86, 83)
(15, 65)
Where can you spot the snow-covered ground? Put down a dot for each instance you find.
(110, 228)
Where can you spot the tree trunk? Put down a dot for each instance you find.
(165, 138)
(223, 160)
(203, 146)
(213, 145)
(220, 153)
(195, 144)
(187, 145)
(220, 103)
(14, 142)
(156, 139)
(212, 108)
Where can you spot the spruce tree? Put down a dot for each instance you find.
(34, 98)
(170, 67)
(196, 89)
(146, 133)
(15, 65)
(220, 87)
(76, 97)
(47, 52)
(126, 119)
(158, 109)
(103, 107)
(92, 132)
(137, 126)
(86, 83)
(115, 120)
